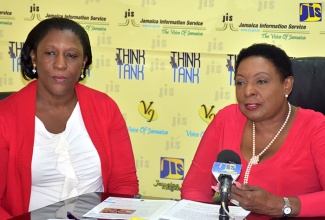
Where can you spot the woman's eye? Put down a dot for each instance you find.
(72, 55)
(262, 81)
(49, 52)
(238, 83)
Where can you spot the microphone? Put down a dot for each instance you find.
(226, 170)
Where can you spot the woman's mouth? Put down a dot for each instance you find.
(59, 79)
(252, 106)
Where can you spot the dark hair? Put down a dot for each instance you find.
(40, 31)
(275, 55)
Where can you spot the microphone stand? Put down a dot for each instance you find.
(222, 214)
(225, 186)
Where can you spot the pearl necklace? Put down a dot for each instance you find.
(255, 158)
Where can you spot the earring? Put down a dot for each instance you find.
(34, 68)
(82, 74)
(286, 95)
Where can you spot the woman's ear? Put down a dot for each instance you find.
(33, 56)
(84, 62)
(288, 84)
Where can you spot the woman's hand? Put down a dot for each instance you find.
(255, 199)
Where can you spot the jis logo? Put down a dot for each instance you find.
(310, 12)
(171, 168)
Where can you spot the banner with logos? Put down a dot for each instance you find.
(168, 64)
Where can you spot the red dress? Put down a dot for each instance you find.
(297, 169)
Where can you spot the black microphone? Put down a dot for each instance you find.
(226, 170)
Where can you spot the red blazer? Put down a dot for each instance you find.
(104, 123)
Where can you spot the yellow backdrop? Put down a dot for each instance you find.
(168, 64)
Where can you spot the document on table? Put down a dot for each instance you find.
(190, 210)
(127, 208)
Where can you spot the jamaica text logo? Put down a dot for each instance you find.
(169, 27)
(168, 186)
(5, 15)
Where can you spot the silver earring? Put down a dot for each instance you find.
(82, 75)
(286, 95)
(34, 68)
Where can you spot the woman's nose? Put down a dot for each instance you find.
(250, 89)
(60, 61)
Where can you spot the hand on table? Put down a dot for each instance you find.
(255, 199)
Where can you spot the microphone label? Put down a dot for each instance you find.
(231, 169)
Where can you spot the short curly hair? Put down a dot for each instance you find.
(40, 31)
(275, 55)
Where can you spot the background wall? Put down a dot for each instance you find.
(167, 63)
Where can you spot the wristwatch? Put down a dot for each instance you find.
(287, 207)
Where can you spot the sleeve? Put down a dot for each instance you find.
(123, 178)
(4, 157)
(312, 204)
(199, 179)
